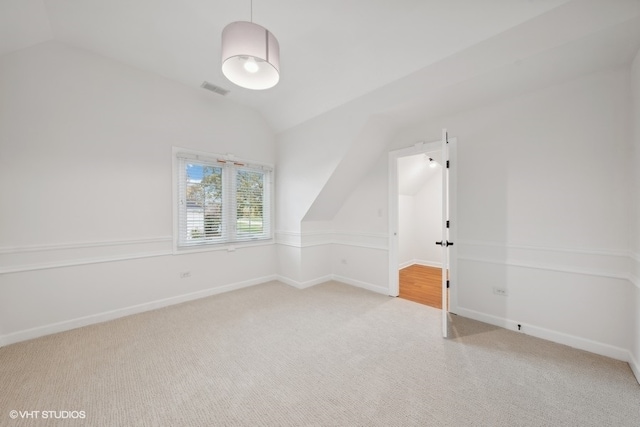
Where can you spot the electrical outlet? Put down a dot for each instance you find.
(185, 274)
(500, 291)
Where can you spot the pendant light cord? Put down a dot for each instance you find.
(252, 11)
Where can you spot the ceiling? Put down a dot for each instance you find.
(414, 172)
(332, 51)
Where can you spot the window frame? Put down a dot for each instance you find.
(233, 164)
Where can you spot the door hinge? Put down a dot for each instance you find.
(447, 223)
(447, 164)
(447, 284)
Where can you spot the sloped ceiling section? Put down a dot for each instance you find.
(354, 66)
(576, 39)
(23, 23)
(332, 50)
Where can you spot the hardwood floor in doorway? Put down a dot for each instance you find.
(422, 285)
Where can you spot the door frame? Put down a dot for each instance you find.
(420, 148)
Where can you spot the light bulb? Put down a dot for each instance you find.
(251, 65)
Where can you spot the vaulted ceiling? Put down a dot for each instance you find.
(332, 51)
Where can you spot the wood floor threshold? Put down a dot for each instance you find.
(421, 284)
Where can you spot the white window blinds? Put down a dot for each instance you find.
(221, 201)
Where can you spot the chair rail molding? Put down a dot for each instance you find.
(41, 257)
(634, 273)
(614, 264)
(319, 238)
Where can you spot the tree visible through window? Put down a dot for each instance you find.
(222, 202)
(249, 196)
(204, 201)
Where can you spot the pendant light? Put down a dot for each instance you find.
(250, 55)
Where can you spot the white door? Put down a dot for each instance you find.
(444, 242)
(448, 147)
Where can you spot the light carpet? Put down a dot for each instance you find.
(330, 355)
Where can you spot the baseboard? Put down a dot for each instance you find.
(550, 335)
(306, 284)
(428, 263)
(364, 285)
(405, 264)
(424, 263)
(635, 366)
(127, 311)
(347, 281)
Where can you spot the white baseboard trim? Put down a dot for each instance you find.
(364, 285)
(420, 262)
(428, 263)
(635, 366)
(405, 264)
(306, 284)
(347, 281)
(67, 325)
(549, 335)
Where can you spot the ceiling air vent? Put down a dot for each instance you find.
(213, 88)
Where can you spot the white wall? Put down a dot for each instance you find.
(86, 184)
(420, 225)
(406, 230)
(359, 254)
(543, 211)
(635, 211)
(320, 162)
(428, 221)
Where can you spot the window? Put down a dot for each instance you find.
(221, 201)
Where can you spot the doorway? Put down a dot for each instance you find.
(433, 150)
(419, 226)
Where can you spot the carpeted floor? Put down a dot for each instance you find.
(330, 355)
